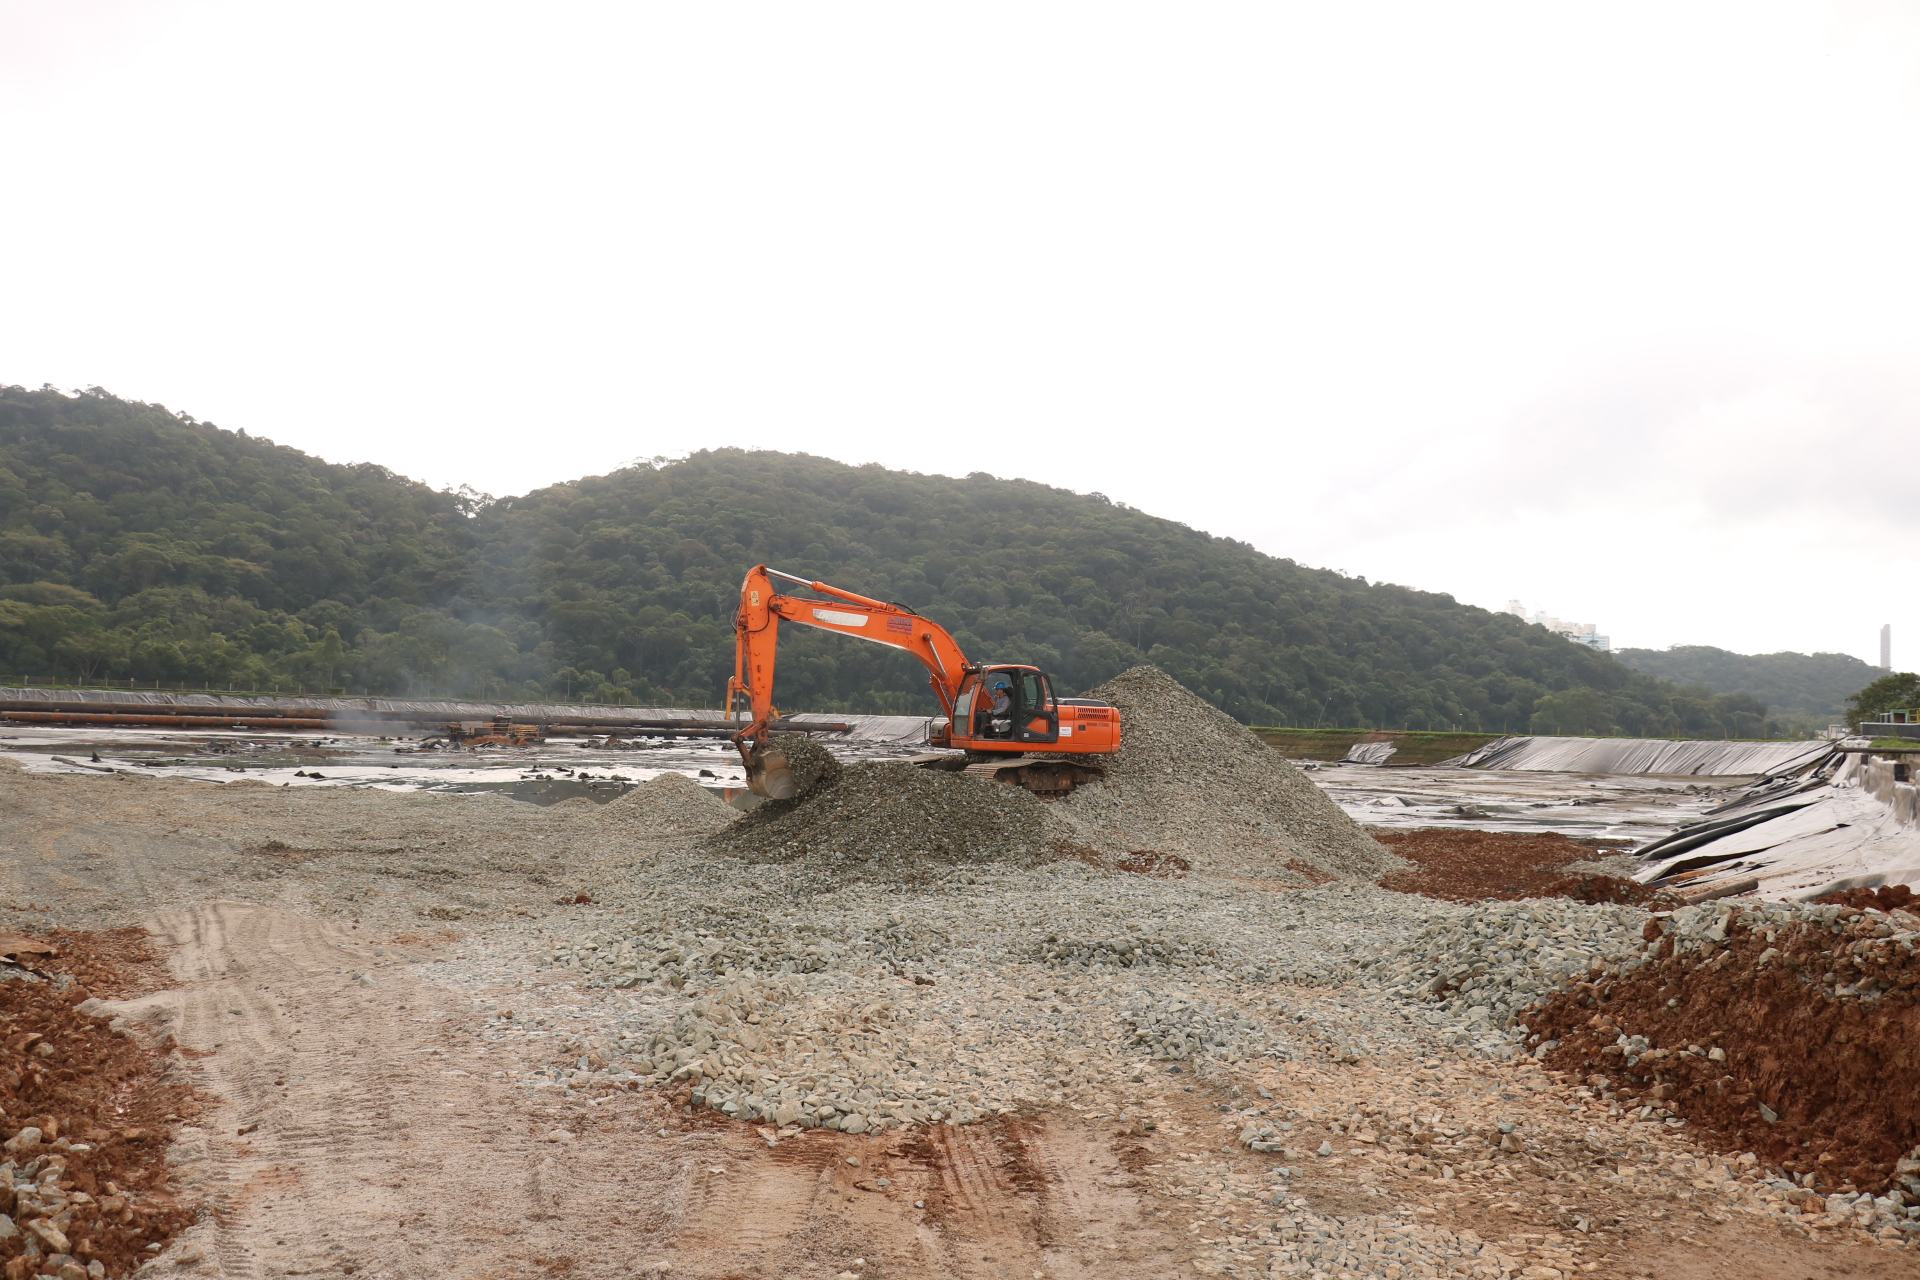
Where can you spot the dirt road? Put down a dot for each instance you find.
(358, 1136)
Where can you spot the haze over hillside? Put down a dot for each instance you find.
(1805, 687)
(139, 543)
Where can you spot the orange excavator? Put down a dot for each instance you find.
(995, 714)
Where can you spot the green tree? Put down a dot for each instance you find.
(1897, 692)
(1805, 690)
(1573, 713)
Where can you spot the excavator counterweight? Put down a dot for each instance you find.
(994, 713)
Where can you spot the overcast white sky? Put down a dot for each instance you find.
(1613, 308)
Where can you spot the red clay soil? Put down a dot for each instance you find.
(1892, 897)
(1835, 1070)
(1472, 866)
(87, 1114)
(1145, 862)
(114, 964)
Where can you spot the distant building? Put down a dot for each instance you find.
(1886, 647)
(1585, 633)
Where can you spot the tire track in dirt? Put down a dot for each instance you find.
(369, 1146)
(341, 1151)
(1004, 1200)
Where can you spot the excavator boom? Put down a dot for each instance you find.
(990, 711)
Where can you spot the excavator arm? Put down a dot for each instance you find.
(756, 638)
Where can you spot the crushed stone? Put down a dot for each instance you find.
(891, 822)
(669, 804)
(1486, 963)
(812, 765)
(981, 989)
(1189, 779)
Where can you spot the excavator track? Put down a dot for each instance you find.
(1046, 779)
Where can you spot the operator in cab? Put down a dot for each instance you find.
(999, 713)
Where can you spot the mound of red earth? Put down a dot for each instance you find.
(1472, 866)
(1787, 1030)
(1891, 897)
(86, 1112)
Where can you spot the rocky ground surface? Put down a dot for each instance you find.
(455, 1036)
(1472, 866)
(1178, 756)
(670, 804)
(1775, 1028)
(87, 1110)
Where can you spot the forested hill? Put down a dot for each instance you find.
(1811, 686)
(137, 542)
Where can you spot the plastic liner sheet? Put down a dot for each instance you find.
(357, 714)
(1849, 824)
(1370, 752)
(1646, 756)
(1621, 811)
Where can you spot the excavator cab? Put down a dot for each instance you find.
(1007, 705)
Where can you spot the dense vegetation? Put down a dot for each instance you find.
(1899, 691)
(1806, 689)
(138, 543)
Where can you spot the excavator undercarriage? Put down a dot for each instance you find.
(1047, 779)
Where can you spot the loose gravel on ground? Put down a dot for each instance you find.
(1486, 963)
(894, 823)
(1191, 780)
(671, 803)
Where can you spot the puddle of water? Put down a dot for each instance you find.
(555, 770)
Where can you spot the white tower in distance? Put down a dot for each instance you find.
(1886, 647)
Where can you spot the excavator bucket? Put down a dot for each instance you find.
(769, 774)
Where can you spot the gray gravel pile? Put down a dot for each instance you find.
(1175, 1028)
(988, 988)
(1128, 951)
(889, 821)
(1489, 961)
(676, 938)
(811, 764)
(1190, 779)
(699, 943)
(1691, 928)
(671, 804)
